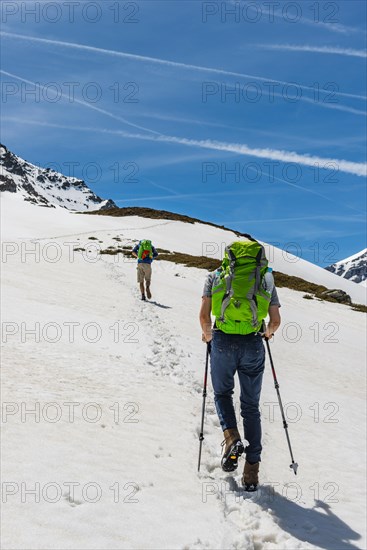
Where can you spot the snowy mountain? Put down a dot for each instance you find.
(46, 187)
(102, 397)
(353, 268)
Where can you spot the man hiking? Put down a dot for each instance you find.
(239, 294)
(145, 252)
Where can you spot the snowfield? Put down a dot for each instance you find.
(102, 399)
(197, 239)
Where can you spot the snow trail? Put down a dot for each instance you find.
(144, 374)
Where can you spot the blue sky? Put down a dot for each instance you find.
(247, 114)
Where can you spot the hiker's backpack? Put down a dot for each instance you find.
(239, 301)
(145, 250)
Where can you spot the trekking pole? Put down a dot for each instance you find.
(294, 464)
(201, 436)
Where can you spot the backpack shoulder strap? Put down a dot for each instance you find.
(228, 279)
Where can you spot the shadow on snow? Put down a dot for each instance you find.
(317, 525)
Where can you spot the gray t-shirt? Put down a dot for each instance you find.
(268, 285)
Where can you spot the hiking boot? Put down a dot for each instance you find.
(250, 477)
(143, 297)
(149, 294)
(233, 449)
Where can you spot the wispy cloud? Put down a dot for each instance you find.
(349, 167)
(166, 62)
(333, 26)
(314, 49)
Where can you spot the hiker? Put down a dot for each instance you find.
(145, 252)
(239, 294)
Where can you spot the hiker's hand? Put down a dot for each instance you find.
(206, 337)
(269, 332)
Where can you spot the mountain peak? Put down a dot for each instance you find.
(45, 187)
(353, 268)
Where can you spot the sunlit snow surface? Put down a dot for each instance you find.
(115, 384)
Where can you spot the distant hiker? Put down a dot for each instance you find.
(239, 294)
(145, 252)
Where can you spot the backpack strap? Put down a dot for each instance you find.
(256, 288)
(229, 278)
(258, 270)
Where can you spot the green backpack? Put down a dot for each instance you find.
(145, 250)
(239, 301)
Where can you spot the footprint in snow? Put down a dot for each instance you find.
(72, 501)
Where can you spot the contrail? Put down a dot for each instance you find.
(316, 49)
(314, 193)
(83, 103)
(166, 62)
(172, 191)
(327, 105)
(316, 21)
(303, 218)
(182, 196)
(355, 168)
(125, 121)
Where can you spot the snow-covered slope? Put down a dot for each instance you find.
(102, 402)
(46, 187)
(21, 219)
(353, 268)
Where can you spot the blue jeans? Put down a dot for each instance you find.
(231, 353)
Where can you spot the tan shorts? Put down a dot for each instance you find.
(144, 271)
